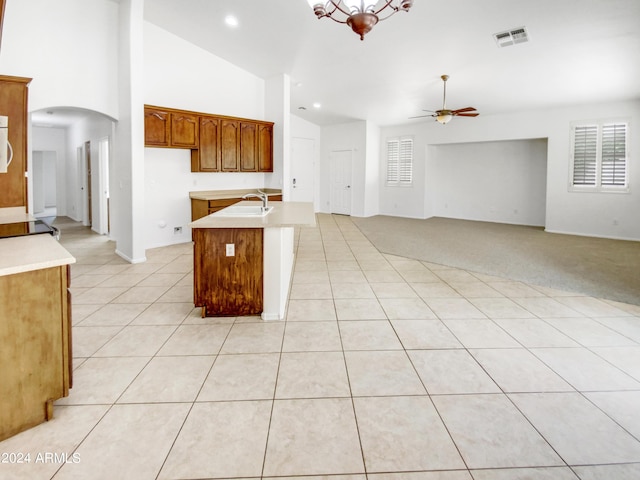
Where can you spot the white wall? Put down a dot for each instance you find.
(277, 110)
(68, 47)
(198, 81)
(611, 215)
(371, 203)
(405, 201)
(503, 182)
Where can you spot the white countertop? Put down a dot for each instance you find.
(15, 215)
(284, 214)
(225, 194)
(31, 252)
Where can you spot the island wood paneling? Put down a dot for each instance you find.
(228, 285)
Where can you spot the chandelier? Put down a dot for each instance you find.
(360, 15)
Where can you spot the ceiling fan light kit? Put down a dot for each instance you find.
(444, 115)
(360, 15)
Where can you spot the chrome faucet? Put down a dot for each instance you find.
(262, 196)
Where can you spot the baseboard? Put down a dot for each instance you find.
(593, 235)
(129, 259)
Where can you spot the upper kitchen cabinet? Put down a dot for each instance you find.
(229, 145)
(248, 146)
(217, 143)
(207, 157)
(184, 130)
(264, 147)
(13, 105)
(156, 127)
(170, 128)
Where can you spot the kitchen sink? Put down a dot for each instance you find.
(243, 211)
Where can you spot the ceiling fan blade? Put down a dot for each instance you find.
(432, 111)
(423, 116)
(466, 114)
(466, 109)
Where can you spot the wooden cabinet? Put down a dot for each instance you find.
(217, 143)
(35, 358)
(202, 208)
(184, 130)
(156, 127)
(170, 128)
(248, 147)
(264, 147)
(13, 104)
(229, 145)
(207, 157)
(228, 285)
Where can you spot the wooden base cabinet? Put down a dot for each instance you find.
(224, 284)
(35, 346)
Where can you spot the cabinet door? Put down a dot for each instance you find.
(264, 149)
(156, 128)
(229, 145)
(207, 157)
(13, 104)
(184, 130)
(248, 142)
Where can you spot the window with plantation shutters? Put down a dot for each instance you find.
(599, 156)
(400, 161)
(614, 155)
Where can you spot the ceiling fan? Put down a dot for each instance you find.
(444, 115)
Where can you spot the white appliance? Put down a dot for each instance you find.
(6, 152)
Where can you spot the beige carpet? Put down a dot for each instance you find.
(592, 266)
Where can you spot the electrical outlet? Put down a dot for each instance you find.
(231, 249)
(177, 230)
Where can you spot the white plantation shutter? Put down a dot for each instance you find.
(584, 155)
(406, 161)
(393, 160)
(614, 154)
(400, 161)
(599, 156)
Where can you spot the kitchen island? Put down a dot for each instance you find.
(35, 331)
(243, 264)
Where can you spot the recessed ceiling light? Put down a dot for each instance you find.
(317, 105)
(231, 21)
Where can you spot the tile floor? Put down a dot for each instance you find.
(385, 368)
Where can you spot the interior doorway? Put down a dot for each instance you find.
(340, 185)
(45, 188)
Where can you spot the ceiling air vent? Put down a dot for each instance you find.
(511, 37)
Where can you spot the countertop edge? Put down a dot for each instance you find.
(34, 252)
(284, 214)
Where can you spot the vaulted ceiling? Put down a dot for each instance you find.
(579, 51)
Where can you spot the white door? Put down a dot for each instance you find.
(341, 181)
(302, 169)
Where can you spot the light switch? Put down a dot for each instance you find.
(231, 249)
